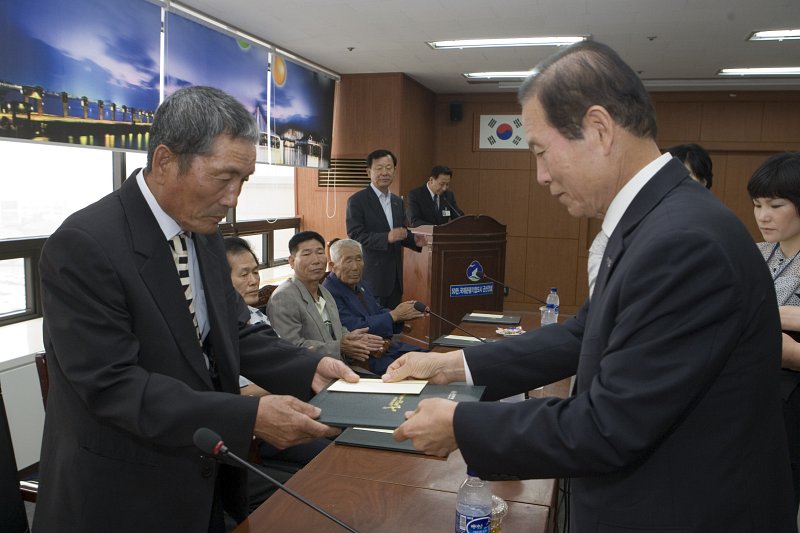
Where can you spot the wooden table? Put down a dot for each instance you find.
(384, 491)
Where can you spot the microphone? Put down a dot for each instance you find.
(211, 443)
(509, 287)
(456, 211)
(422, 308)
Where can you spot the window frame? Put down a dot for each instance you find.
(30, 251)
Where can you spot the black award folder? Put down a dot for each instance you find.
(487, 318)
(344, 409)
(374, 438)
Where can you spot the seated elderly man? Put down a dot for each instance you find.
(304, 313)
(358, 308)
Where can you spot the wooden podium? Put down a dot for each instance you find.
(445, 275)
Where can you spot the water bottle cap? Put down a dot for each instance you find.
(553, 289)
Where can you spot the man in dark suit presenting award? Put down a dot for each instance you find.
(676, 420)
(376, 219)
(142, 332)
(433, 203)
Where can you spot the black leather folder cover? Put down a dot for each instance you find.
(364, 438)
(345, 409)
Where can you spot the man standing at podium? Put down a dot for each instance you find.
(676, 422)
(433, 203)
(376, 219)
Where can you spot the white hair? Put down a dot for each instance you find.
(337, 248)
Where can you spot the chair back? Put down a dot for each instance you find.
(12, 511)
(41, 369)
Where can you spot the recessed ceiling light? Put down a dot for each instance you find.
(774, 35)
(767, 71)
(501, 75)
(516, 41)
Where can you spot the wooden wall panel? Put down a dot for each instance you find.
(552, 263)
(321, 210)
(732, 121)
(466, 185)
(516, 260)
(677, 121)
(781, 122)
(504, 196)
(416, 135)
(367, 115)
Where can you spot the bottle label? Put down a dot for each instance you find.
(472, 524)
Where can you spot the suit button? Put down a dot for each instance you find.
(206, 471)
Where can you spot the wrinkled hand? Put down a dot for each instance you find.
(433, 366)
(329, 369)
(405, 311)
(430, 427)
(397, 234)
(285, 421)
(358, 344)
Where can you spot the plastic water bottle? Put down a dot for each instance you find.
(548, 315)
(552, 298)
(474, 505)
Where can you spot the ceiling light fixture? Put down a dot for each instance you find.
(499, 43)
(493, 76)
(766, 71)
(774, 35)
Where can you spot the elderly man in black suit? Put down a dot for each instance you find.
(376, 219)
(433, 202)
(676, 420)
(143, 340)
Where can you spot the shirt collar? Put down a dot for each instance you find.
(165, 222)
(625, 196)
(433, 194)
(378, 191)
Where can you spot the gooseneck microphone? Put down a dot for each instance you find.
(422, 308)
(509, 287)
(456, 211)
(211, 443)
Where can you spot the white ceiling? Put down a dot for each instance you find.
(680, 44)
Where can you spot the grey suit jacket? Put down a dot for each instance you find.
(676, 424)
(295, 317)
(128, 381)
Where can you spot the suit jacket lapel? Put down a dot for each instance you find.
(311, 309)
(216, 299)
(157, 269)
(651, 194)
(377, 208)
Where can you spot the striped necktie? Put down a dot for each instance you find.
(180, 252)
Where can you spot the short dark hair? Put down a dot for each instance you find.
(377, 154)
(190, 119)
(777, 177)
(696, 157)
(585, 74)
(237, 245)
(441, 169)
(303, 236)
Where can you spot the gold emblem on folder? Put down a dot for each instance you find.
(396, 403)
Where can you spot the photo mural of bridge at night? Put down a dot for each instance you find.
(79, 72)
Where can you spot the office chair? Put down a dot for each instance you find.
(12, 511)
